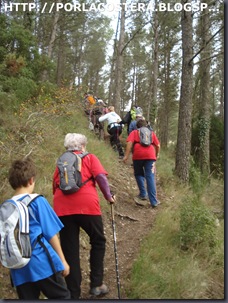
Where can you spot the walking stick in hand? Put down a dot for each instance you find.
(115, 247)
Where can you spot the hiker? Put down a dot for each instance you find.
(38, 276)
(89, 102)
(133, 123)
(144, 159)
(89, 99)
(98, 110)
(114, 129)
(82, 210)
(131, 116)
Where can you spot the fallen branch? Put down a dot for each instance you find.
(28, 153)
(125, 216)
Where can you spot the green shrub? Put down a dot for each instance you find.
(197, 180)
(25, 88)
(197, 225)
(47, 88)
(8, 102)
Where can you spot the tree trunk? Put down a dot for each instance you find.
(185, 108)
(205, 103)
(165, 106)
(221, 103)
(45, 75)
(112, 71)
(152, 100)
(61, 57)
(119, 62)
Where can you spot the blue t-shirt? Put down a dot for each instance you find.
(48, 224)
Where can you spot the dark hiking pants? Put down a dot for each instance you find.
(69, 237)
(53, 287)
(115, 132)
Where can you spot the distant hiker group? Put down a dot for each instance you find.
(142, 142)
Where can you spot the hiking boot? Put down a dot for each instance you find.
(99, 290)
(121, 157)
(141, 202)
(156, 205)
(142, 198)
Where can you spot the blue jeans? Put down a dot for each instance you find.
(145, 169)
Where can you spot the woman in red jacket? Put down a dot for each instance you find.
(82, 210)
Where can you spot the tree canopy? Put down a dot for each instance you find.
(168, 59)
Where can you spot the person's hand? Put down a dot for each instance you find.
(112, 199)
(125, 158)
(66, 270)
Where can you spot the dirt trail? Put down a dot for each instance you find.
(132, 223)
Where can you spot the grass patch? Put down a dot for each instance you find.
(163, 269)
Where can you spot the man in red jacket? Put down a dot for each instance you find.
(144, 159)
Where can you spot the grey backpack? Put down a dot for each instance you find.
(145, 136)
(69, 165)
(15, 246)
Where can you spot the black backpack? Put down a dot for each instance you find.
(145, 136)
(69, 165)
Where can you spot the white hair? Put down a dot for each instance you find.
(75, 141)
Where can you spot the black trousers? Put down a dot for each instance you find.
(114, 133)
(69, 237)
(53, 287)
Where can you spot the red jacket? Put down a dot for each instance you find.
(140, 152)
(84, 201)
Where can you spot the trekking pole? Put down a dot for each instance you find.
(115, 249)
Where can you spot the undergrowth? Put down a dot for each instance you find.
(183, 256)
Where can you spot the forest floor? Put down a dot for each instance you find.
(132, 223)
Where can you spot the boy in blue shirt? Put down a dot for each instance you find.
(38, 275)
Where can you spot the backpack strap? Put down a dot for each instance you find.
(27, 200)
(82, 155)
(47, 252)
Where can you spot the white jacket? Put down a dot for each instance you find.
(111, 117)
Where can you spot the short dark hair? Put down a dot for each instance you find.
(141, 123)
(21, 172)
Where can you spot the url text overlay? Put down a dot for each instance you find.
(49, 7)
